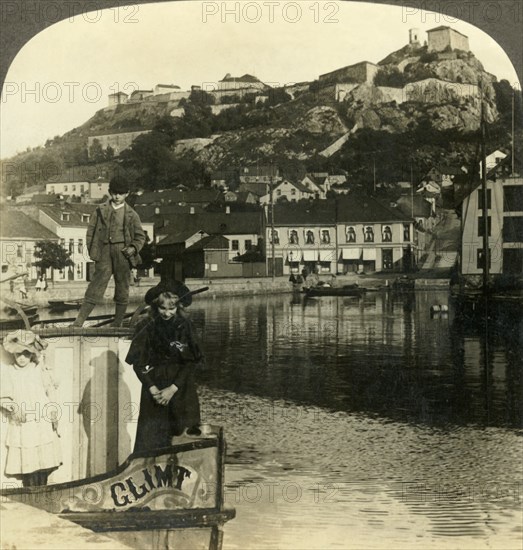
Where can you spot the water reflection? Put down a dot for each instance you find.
(366, 420)
(396, 428)
(382, 355)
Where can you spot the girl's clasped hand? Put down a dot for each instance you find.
(162, 397)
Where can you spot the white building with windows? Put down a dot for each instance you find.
(304, 237)
(72, 188)
(18, 235)
(372, 237)
(69, 222)
(504, 226)
(351, 234)
(291, 191)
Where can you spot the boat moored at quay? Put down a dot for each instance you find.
(167, 498)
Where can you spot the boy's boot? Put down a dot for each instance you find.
(119, 315)
(84, 312)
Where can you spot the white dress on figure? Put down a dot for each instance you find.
(32, 441)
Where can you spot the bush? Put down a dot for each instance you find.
(392, 78)
(429, 57)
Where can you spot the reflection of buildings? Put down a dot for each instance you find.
(378, 355)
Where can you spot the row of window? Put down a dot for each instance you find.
(512, 201)
(66, 188)
(350, 235)
(68, 273)
(80, 245)
(235, 244)
(66, 217)
(512, 228)
(512, 259)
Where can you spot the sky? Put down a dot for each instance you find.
(64, 74)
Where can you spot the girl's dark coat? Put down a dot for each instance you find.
(169, 349)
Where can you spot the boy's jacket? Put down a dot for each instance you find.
(133, 232)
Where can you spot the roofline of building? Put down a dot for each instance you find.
(441, 27)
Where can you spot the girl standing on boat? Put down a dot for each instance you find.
(163, 353)
(33, 449)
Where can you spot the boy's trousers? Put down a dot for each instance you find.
(112, 262)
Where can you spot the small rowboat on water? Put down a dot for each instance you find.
(327, 290)
(28, 309)
(62, 305)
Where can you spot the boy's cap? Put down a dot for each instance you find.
(119, 185)
(169, 285)
(23, 340)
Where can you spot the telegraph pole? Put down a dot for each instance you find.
(484, 194)
(512, 164)
(374, 170)
(411, 192)
(272, 224)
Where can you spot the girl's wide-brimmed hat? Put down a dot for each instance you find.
(24, 340)
(169, 285)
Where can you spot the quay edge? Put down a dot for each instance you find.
(222, 287)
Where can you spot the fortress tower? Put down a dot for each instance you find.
(414, 37)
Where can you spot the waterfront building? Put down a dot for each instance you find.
(18, 236)
(351, 234)
(372, 237)
(304, 237)
(69, 222)
(505, 227)
(176, 234)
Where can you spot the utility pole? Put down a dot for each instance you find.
(512, 163)
(374, 170)
(272, 224)
(411, 192)
(484, 194)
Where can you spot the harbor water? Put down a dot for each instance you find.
(364, 422)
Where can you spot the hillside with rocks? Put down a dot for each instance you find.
(427, 101)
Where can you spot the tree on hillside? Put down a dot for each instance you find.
(168, 127)
(96, 152)
(201, 97)
(504, 96)
(196, 121)
(30, 168)
(109, 153)
(151, 157)
(277, 96)
(50, 254)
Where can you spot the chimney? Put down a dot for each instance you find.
(227, 209)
